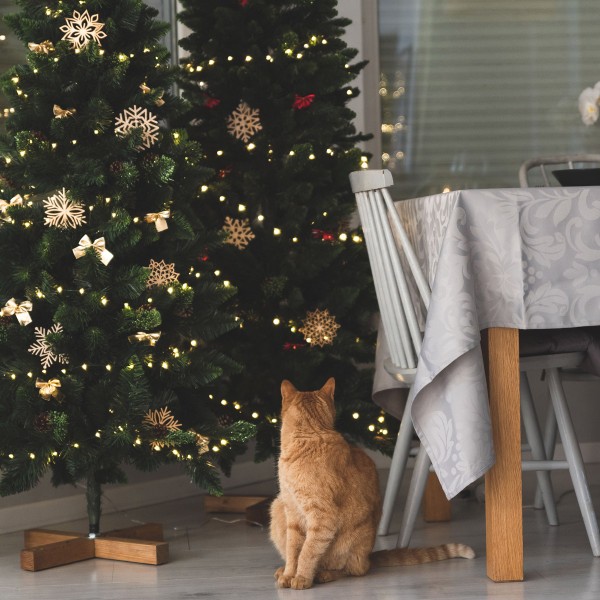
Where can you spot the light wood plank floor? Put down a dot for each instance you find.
(213, 558)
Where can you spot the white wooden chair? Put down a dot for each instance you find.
(397, 311)
(395, 270)
(534, 171)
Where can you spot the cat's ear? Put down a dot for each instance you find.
(287, 388)
(329, 387)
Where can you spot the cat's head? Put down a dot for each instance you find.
(317, 406)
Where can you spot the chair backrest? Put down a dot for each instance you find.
(395, 270)
(533, 172)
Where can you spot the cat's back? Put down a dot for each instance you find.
(330, 466)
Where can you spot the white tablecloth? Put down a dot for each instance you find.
(521, 258)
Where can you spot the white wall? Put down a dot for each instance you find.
(46, 505)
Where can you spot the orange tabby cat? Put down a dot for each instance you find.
(324, 520)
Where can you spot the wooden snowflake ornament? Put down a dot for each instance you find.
(161, 273)
(319, 328)
(244, 122)
(63, 212)
(136, 117)
(44, 350)
(81, 29)
(238, 231)
(160, 422)
(162, 419)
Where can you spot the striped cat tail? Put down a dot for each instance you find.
(418, 556)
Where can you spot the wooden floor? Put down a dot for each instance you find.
(212, 557)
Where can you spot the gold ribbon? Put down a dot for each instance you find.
(61, 113)
(21, 311)
(203, 443)
(14, 201)
(44, 47)
(159, 219)
(48, 389)
(146, 90)
(99, 246)
(147, 338)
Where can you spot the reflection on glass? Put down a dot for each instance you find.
(12, 50)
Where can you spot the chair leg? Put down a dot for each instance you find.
(573, 455)
(550, 430)
(534, 438)
(397, 468)
(415, 497)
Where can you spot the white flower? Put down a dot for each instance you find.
(588, 104)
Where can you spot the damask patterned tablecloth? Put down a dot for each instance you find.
(520, 258)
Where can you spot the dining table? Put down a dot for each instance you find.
(497, 261)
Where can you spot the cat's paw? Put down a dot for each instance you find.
(327, 576)
(283, 581)
(300, 583)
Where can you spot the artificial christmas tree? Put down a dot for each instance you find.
(269, 83)
(108, 314)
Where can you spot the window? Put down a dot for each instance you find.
(12, 50)
(470, 89)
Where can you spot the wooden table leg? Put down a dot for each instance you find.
(503, 483)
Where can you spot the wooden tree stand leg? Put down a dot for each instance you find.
(66, 549)
(255, 508)
(45, 549)
(436, 507)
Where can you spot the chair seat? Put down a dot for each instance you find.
(534, 342)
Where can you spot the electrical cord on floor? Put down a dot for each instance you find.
(125, 515)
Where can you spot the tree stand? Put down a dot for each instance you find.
(45, 548)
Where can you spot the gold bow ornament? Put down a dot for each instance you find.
(146, 338)
(14, 201)
(62, 113)
(146, 90)
(48, 389)
(99, 246)
(44, 47)
(159, 219)
(21, 311)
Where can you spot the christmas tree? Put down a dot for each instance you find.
(269, 84)
(108, 316)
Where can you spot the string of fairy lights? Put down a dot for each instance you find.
(288, 53)
(344, 236)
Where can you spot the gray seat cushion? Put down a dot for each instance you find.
(555, 341)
